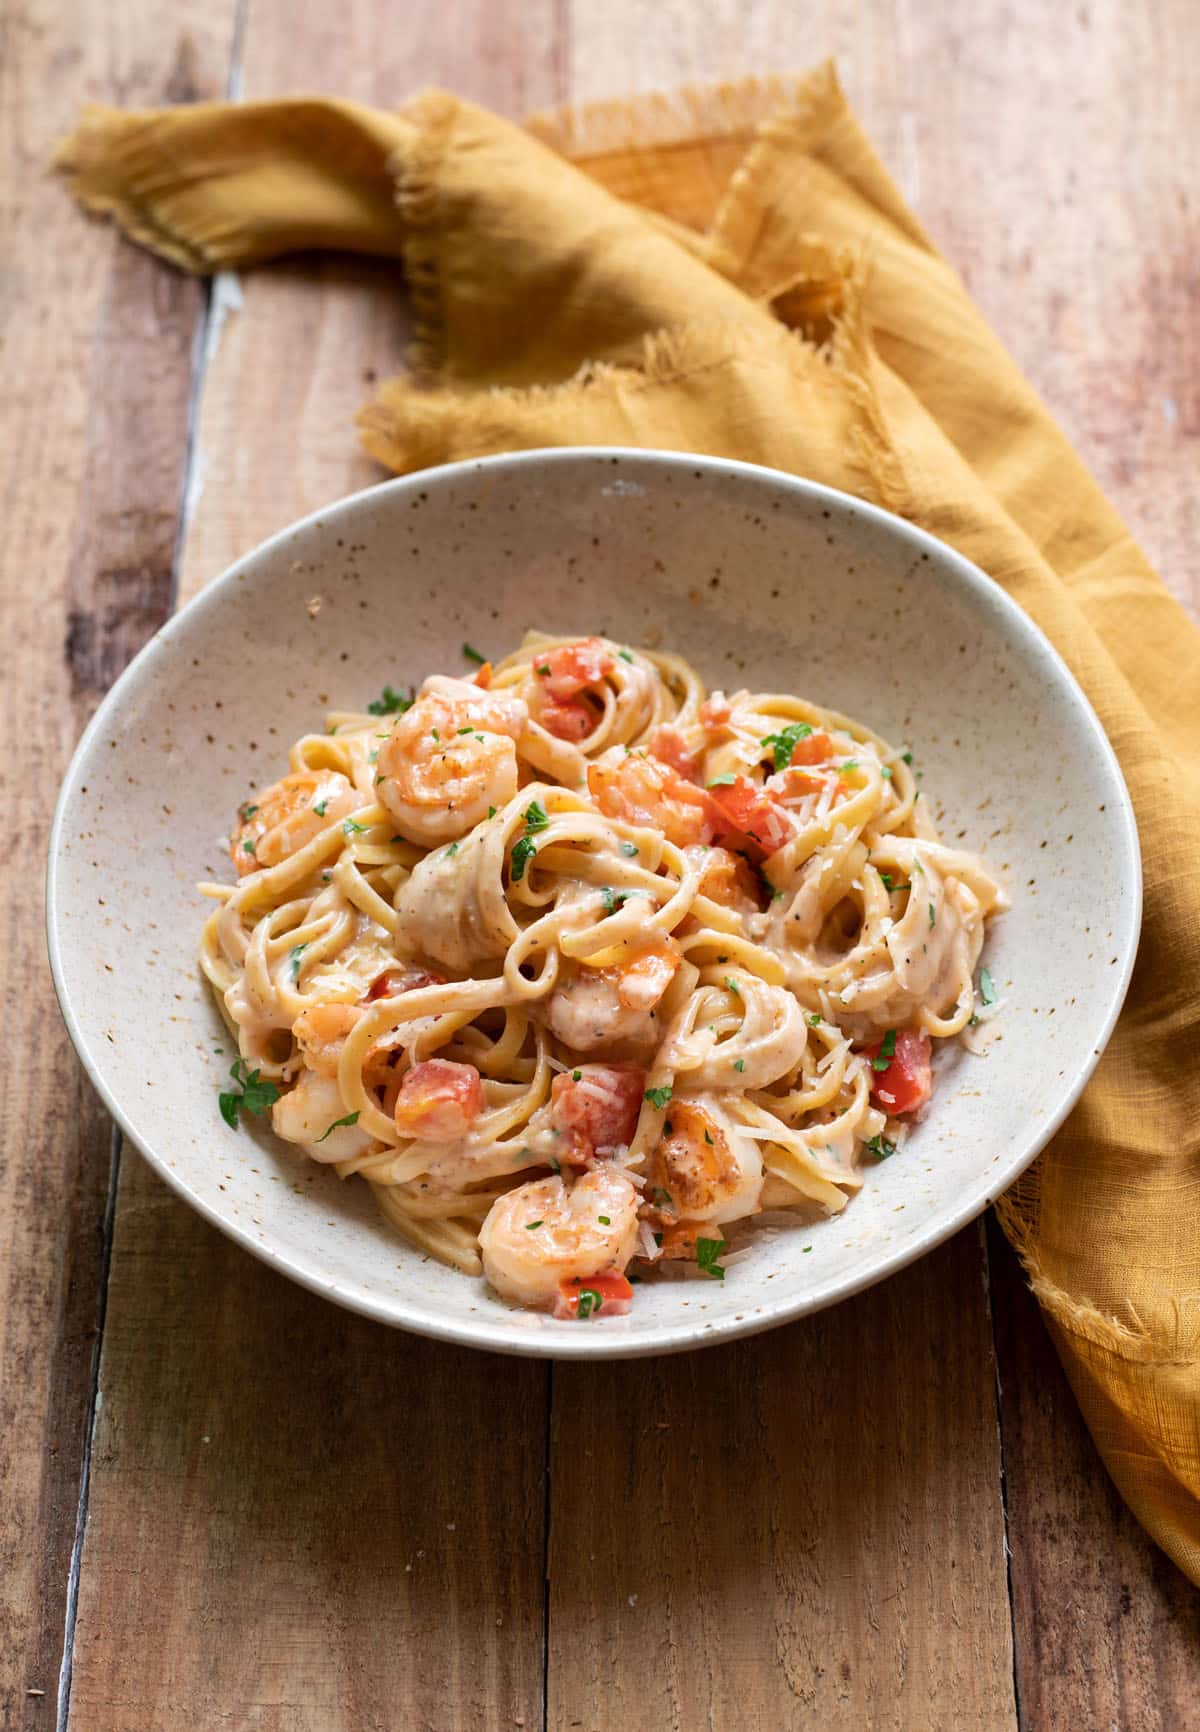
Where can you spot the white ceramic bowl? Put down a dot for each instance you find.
(759, 579)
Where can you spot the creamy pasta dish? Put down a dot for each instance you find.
(578, 965)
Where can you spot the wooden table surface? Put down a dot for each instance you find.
(223, 1503)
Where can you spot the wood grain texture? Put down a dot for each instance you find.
(95, 370)
(804, 1529)
(298, 1520)
(1107, 1629)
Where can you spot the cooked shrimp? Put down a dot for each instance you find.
(287, 815)
(611, 1007)
(309, 1113)
(726, 878)
(541, 1234)
(644, 791)
(321, 1032)
(439, 1101)
(594, 1110)
(702, 1170)
(448, 758)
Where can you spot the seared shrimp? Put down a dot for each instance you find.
(648, 792)
(702, 1171)
(287, 815)
(308, 1113)
(611, 1007)
(543, 1234)
(448, 758)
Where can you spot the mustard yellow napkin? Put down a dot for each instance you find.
(732, 271)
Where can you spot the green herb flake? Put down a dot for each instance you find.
(535, 818)
(731, 985)
(850, 764)
(625, 655)
(576, 1076)
(888, 882)
(806, 1249)
(724, 781)
(907, 756)
(739, 1064)
(815, 1019)
(350, 1119)
(473, 655)
(630, 850)
(987, 988)
(886, 772)
(245, 813)
(350, 828)
(707, 1252)
(887, 1051)
(436, 735)
(932, 917)
(452, 850)
(248, 847)
(609, 900)
(784, 743)
(522, 853)
(530, 1225)
(881, 1148)
(708, 1139)
(249, 1092)
(543, 671)
(658, 1098)
(294, 955)
(390, 704)
(589, 1302)
(491, 811)
(604, 1220)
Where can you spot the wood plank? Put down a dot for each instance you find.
(299, 1520)
(1107, 1629)
(804, 1529)
(95, 374)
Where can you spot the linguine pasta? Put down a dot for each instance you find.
(577, 966)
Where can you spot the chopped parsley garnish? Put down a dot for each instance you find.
(248, 847)
(881, 1148)
(972, 1021)
(707, 1252)
(576, 1076)
(523, 852)
(245, 813)
(473, 655)
(350, 1119)
(350, 828)
(658, 1098)
(609, 900)
(390, 704)
(436, 735)
(784, 743)
(987, 989)
(850, 764)
(708, 1139)
(530, 1225)
(888, 882)
(932, 917)
(814, 1019)
(723, 781)
(907, 756)
(739, 1064)
(321, 807)
(604, 1220)
(294, 955)
(731, 985)
(630, 850)
(543, 670)
(887, 1051)
(589, 1301)
(491, 811)
(886, 772)
(249, 1091)
(625, 655)
(535, 818)
(452, 849)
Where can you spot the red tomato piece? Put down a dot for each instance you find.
(439, 1101)
(483, 678)
(573, 666)
(668, 745)
(396, 980)
(569, 720)
(613, 1296)
(812, 749)
(714, 713)
(907, 1083)
(596, 1107)
(749, 818)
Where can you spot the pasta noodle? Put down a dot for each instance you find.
(577, 966)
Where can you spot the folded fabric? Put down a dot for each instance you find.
(732, 271)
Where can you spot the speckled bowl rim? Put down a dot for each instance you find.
(494, 1334)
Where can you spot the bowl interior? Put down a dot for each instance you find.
(759, 580)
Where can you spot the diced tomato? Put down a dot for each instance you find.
(396, 980)
(715, 712)
(484, 676)
(439, 1101)
(573, 666)
(596, 1107)
(812, 749)
(668, 745)
(572, 720)
(644, 791)
(614, 1296)
(748, 818)
(907, 1083)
